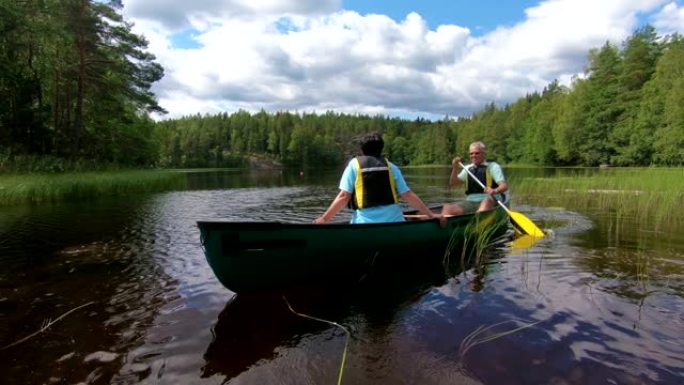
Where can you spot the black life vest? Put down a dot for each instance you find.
(374, 184)
(482, 173)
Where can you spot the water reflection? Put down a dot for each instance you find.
(254, 328)
(255, 333)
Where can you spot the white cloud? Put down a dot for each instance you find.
(178, 14)
(311, 56)
(670, 18)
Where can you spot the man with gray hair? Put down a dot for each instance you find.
(488, 172)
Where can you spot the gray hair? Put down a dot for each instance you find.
(480, 145)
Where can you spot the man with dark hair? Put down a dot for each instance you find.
(372, 144)
(372, 185)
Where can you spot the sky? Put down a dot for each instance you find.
(422, 58)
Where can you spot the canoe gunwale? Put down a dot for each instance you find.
(209, 224)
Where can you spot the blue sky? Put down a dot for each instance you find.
(479, 16)
(429, 58)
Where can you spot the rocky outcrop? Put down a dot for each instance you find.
(262, 163)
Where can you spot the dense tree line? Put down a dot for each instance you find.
(627, 110)
(75, 83)
(301, 140)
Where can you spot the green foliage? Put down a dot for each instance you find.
(669, 82)
(630, 140)
(295, 140)
(600, 109)
(75, 83)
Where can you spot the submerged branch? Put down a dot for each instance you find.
(46, 324)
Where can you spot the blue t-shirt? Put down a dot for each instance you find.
(496, 173)
(387, 213)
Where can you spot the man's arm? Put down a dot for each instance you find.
(500, 189)
(415, 201)
(337, 204)
(454, 180)
(498, 176)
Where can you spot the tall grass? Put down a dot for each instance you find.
(645, 194)
(42, 188)
(473, 240)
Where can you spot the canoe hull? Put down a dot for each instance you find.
(257, 256)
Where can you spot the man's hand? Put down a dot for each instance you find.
(442, 220)
(320, 220)
(456, 162)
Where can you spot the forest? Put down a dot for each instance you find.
(76, 85)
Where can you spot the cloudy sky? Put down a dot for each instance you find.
(427, 58)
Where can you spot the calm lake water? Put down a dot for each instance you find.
(126, 297)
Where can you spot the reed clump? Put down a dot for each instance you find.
(645, 194)
(473, 240)
(44, 188)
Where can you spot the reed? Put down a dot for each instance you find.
(472, 241)
(644, 194)
(487, 333)
(43, 188)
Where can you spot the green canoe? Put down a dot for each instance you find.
(260, 256)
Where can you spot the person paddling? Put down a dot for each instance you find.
(488, 172)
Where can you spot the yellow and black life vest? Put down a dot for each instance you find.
(374, 184)
(482, 173)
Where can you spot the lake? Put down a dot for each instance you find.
(118, 291)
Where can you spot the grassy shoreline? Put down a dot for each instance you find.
(36, 188)
(650, 194)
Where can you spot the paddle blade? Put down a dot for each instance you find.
(523, 242)
(524, 225)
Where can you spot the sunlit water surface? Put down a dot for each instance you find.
(118, 291)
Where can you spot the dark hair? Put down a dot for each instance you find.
(372, 144)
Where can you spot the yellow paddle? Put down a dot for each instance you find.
(521, 223)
